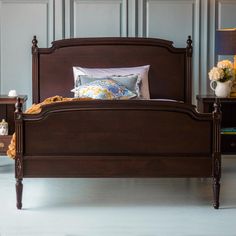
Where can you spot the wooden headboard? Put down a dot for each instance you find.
(169, 74)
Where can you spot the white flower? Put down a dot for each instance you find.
(225, 64)
(216, 73)
(230, 72)
(223, 72)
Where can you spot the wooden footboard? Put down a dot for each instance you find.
(118, 139)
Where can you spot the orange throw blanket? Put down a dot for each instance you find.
(34, 109)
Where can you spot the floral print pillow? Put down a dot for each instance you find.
(103, 89)
(131, 82)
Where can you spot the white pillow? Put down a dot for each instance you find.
(141, 70)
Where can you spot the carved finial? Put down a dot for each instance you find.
(34, 44)
(18, 107)
(189, 47)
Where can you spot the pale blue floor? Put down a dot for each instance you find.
(112, 207)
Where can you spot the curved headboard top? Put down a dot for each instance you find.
(169, 74)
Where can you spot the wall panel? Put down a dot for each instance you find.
(56, 19)
(226, 17)
(226, 14)
(205, 48)
(173, 20)
(170, 19)
(96, 18)
(19, 21)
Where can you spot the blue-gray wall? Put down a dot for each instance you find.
(55, 19)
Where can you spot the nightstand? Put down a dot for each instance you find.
(7, 109)
(228, 108)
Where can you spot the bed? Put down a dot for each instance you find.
(163, 136)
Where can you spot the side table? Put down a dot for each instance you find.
(7, 109)
(228, 107)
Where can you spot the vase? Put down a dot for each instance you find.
(3, 127)
(221, 89)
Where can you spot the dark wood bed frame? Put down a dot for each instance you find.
(132, 138)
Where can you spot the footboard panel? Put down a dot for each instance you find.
(117, 166)
(117, 139)
(139, 130)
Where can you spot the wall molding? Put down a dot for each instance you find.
(72, 16)
(220, 14)
(55, 19)
(174, 31)
(19, 21)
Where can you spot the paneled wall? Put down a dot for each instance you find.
(19, 21)
(101, 18)
(226, 17)
(55, 19)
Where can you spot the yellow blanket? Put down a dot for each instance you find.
(34, 109)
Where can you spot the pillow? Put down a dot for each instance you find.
(105, 72)
(103, 89)
(131, 82)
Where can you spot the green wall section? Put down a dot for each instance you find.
(55, 19)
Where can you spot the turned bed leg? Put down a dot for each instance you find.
(19, 189)
(19, 153)
(216, 192)
(216, 158)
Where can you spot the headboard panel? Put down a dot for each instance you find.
(169, 74)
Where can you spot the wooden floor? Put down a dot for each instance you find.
(112, 207)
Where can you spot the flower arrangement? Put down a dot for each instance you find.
(223, 72)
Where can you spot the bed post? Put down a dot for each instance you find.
(216, 171)
(188, 88)
(35, 67)
(19, 153)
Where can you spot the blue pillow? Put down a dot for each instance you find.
(103, 89)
